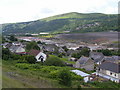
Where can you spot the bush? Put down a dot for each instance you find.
(32, 45)
(46, 70)
(12, 38)
(65, 77)
(23, 66)
(21, 61)
(106, 52)
(6, 54)
(54, 74)
(54, 61)
(29, 58)
(76, 77)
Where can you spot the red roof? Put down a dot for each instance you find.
(21, 53)
(33, 52)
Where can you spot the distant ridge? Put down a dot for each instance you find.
(73, 22)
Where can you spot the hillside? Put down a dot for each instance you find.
(73, 22)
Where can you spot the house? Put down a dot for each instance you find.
(110, 71)
(16, 43)
(97, 57)
(40, 56)
(17, 49)
(114, 59)
(50, 47)
(85, 62)
(71, 51)
(61, 50)
(73, 59)
(86, 77)
(7, 45)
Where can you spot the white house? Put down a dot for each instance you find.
(40, 56)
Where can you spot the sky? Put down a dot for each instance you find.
(12, 11)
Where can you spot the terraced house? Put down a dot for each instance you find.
(109, 70)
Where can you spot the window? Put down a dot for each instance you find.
(115, 74)
(99, 69)
(110, 73)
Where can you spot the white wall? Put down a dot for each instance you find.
(113, 74)
(41, 54)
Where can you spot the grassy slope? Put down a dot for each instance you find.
(63, 22)
(14, 77)
(73, 15)
(24, 78)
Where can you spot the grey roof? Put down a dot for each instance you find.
(114, 67)
(50, 47)
(83, 60)
(81, 73)
(96, 56)
(112, 58)
(71, 51)
(13, 48)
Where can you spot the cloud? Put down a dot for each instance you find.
(46, 10)
(27, 10)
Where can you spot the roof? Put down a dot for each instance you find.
(114, 67)
(8, 45)
(97, 56)
(83, 60)
(78, 72)
(13, 48)
(33, 52)
(112, 58)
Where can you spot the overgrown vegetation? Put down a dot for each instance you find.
(83, 52)
(107, 52)
(54, 61)
(32, 45)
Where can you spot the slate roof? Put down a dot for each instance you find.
(112, 58)
(97, 56)
(13, 48)
(83, 60)
(8, 45)
(50, 47)
(33, 52)
(114, 67)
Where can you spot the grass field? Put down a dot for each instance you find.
(24, 78)
(24, 75)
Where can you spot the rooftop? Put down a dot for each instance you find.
(33, 52)
(114, 67)
(78, 72)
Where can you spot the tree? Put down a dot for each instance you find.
(3, 39)
(54, 61)
(12, 38)
(106, 52)
(65, 48)
(65, 77)
(32, 45)
(85, 52)
(29, 58)
(76, 55)
(39, 42)
(5, 54)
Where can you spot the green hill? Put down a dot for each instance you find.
(73, 22)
